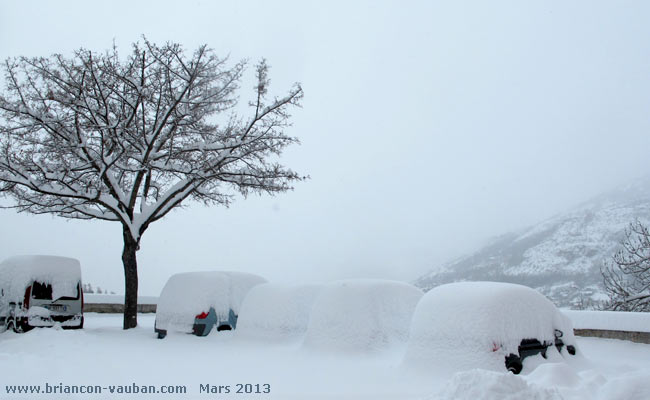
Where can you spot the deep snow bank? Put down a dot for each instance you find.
(188, 294)
(480, 384)
(361, 315)
(615, 370)
(276, 312)
(469, 325)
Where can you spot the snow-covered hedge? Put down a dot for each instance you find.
(277, 312)
(476, 324)
(361, 315)
(16, 273)
(188, 294)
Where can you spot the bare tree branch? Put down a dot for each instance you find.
(140, 131)
(627, 277)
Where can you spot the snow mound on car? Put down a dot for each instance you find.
(277, 312)
(62, 273)
(361, 315)
(476, 324)
(489, 385)
(188, 294)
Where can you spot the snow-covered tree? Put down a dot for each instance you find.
(627, 276)
(96, 136)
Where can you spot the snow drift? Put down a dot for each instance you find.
(468, 325)
(361, 315)
(62, 273)
(480, 384)
(188, 294)
(276, 312)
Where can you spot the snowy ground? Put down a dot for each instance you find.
(104, 355)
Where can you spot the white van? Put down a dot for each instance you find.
(40, 291)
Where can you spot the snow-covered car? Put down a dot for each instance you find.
(195, 302)
(277, 312)
(40, 291)
(487, 325)
(361, 316)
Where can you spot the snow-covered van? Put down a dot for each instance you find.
(195, 302)
(40, 291)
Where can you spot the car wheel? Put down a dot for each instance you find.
(23, 326)
(81, 324)
(514, 364)
(17, 327)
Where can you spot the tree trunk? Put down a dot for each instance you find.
(130, 280)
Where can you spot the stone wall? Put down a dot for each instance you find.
(638, 337)
(108, 308)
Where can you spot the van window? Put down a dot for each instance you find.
(41, 291)
(76, 297)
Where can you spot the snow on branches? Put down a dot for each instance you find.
(627, 276)
(96, 136)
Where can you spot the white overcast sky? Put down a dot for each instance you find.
(427, 128)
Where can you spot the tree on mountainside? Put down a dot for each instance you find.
(627, 276)
(127, 140)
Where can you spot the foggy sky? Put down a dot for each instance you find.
(426, 128)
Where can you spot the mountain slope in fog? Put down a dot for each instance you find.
(560, 257)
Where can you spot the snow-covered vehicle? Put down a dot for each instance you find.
(40, 291)
(277, 312)
(195, 302)
(487, 325)
(361, 316)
